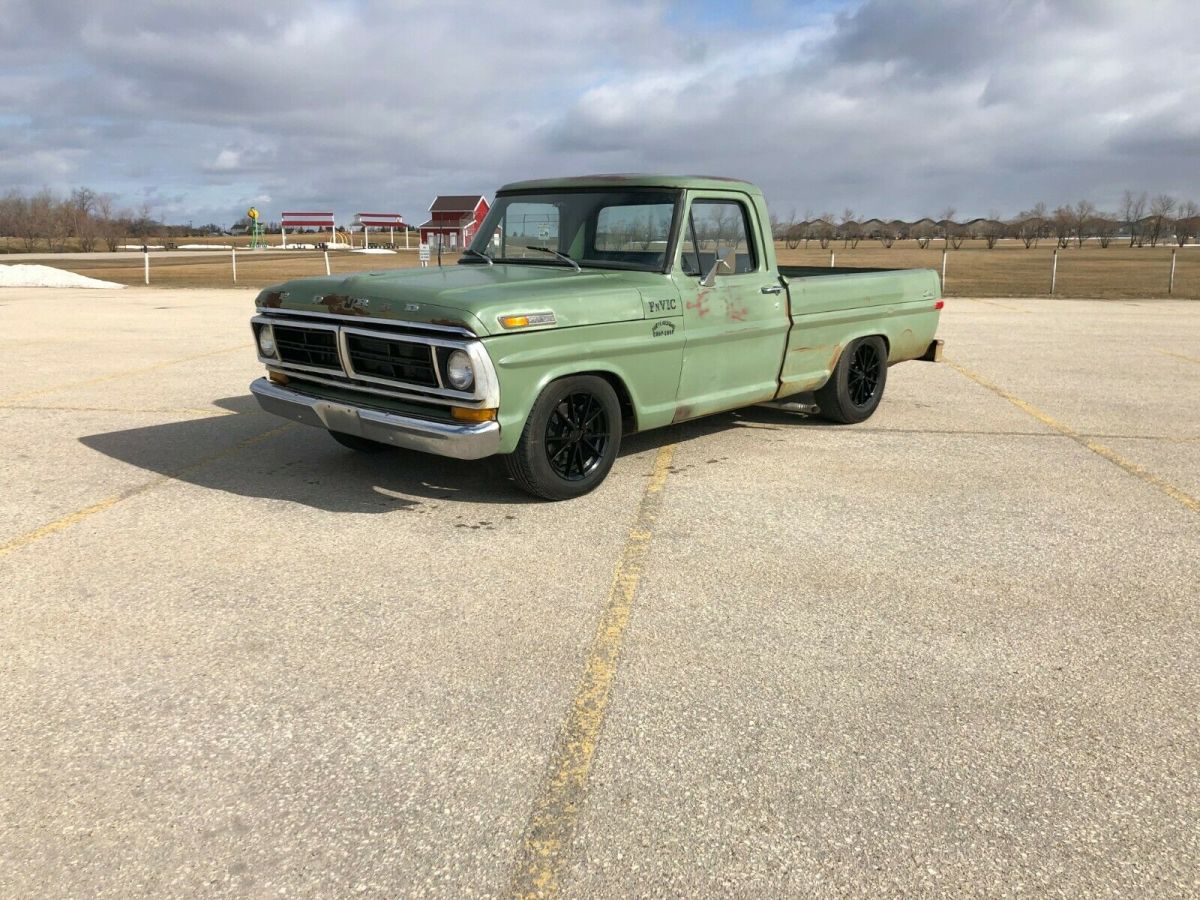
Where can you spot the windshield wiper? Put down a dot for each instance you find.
(482, 256)
(561, 256)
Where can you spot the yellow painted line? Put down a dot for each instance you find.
(123, 374)
(1096, 447)
(79, 515)
(552, 823)
(1191, 359)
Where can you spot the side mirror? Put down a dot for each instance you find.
(711, 278)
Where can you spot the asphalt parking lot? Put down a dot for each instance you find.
(952, 650)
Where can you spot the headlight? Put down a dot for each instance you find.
(459, 371)
(266, 341)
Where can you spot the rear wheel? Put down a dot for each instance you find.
(571, 439)
(361, 444)
(856, 386)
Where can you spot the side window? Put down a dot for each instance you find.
(717, 229)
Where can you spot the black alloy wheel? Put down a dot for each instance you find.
(577, 436)
(570, 439)
(865, 367)
(856, 384)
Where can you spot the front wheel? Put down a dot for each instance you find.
(856, 386)
(571, 439)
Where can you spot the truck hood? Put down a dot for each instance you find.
(471, 297)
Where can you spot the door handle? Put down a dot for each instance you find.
(772, 289)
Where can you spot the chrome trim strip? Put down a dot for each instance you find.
(411, 338)
(437, 369)
(274, 366)
(399, 323)
(473, 440)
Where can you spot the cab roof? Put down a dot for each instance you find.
(695, 182)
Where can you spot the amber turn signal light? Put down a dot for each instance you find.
(466, 414)
(277, 377)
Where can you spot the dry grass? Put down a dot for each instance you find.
(254, 268)
(972, 271)
(1012, 271)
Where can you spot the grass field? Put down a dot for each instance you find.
(973, 271)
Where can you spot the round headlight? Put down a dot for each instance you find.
(459, 371)
(266, 341)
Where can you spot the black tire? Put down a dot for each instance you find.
(361, 444)
(570, 441)
(856, 386)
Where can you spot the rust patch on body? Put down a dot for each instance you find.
(833, 360)
(342, 304)
(452, 323)
(683, 412)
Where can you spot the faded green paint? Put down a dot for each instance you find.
(678, 349)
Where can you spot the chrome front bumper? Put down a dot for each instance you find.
(466, 441)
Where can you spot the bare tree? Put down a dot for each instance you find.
(992, 229)
(1187, 222)
(924, 233)
(947, 223)
(1030, 225)
(1083, 214)
(850, 229)
(12, 207)
(1105, 227)
(825, 229)
(1133, 209)
(1159, 221)
(1063, 223)
(887, 234)
(82, 209)
(109, 222)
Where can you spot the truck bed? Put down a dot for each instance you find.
(813, 271)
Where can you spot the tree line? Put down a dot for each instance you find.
(1141, 220)
(84, 219)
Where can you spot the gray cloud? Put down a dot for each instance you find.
(896, 109)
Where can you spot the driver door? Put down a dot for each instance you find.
(734, 333)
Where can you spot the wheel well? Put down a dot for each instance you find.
(628, 413)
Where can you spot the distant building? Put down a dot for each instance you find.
(454, 219)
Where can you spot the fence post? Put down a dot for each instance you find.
(1171, 282)
(1053, 272)
(233, 259)
(146, 265)
(326, 262)
(832, 257)
(944, 255)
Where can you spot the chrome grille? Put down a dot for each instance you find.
(307, 347)
(395, 360)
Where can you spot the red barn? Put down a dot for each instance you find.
(454, 219)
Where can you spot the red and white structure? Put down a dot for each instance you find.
(454, 219)
(308, 220)
(390, 221)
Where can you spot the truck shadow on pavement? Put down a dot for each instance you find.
(251, 453)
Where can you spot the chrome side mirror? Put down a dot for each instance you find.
(711, 278)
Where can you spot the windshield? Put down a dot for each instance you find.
(609, 229)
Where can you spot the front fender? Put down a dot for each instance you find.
(646, 363)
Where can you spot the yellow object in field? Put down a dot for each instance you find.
(252, 212)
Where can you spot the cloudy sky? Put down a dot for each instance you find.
(889, 108)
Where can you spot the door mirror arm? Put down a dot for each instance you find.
(711, 278)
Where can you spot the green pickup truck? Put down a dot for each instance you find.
(586, 309)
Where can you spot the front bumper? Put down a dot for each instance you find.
(466, 441)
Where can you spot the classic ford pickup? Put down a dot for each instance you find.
(583, 310)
